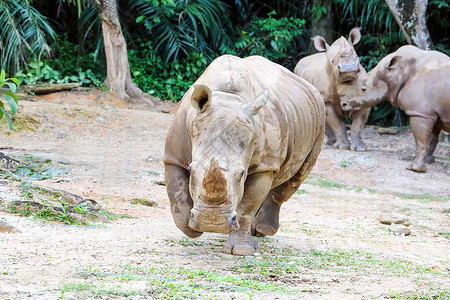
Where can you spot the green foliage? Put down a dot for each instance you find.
(164, 80)
(318, 10)
(67, 64)
(32, 168)
(269, 37)
(183, 26)
(23, 34)
(8, 96)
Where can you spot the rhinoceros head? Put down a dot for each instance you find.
(382, 83)
(223, 128)
(341, 55)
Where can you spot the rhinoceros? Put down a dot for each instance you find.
(246, 135)
(416, 81)
(339, 64)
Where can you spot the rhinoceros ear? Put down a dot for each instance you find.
(320, 43)
(253, 107)
(354, 36)
(201, 97)
(395, 62)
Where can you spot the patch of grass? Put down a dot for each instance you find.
(344, 164)
(145, 202)
(444, 294)
(300, 192)
(425, 197)
(88, 291)
(184, 242)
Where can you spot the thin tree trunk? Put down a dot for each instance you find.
(411, 17)
(118, 76)
(322, 26)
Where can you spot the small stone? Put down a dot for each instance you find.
(388, 219)
(399, 229)
(7, 228)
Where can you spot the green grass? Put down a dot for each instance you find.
(444, 294)
(425, 197)
(344, 164)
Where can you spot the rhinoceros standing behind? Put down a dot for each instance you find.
(339, 64)
(416, 81)
(246, 135)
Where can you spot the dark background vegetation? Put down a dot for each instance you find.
(171, 42)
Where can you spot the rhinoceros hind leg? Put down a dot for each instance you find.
(433, 143)
(423, 130)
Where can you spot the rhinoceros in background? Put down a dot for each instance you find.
(416, 81)
(246, 135)
(339, 64)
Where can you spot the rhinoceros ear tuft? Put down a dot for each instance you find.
(201, 97)
(253, 107)
(354, 36)
(320, 43)
(395, 62)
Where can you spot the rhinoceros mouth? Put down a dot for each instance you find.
(213, 221)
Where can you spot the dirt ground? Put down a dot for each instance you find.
(112, 152)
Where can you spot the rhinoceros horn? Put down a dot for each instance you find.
(214, 184)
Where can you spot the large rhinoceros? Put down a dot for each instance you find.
(416, 81)
(339, 64)
(246, 135)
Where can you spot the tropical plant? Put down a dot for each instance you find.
(9, 97)
(24, 33)
(184, 26)
(273, 38)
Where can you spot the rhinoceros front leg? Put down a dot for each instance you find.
(240, 241)
(331, 137)
(177, 185)
(359, 119)
(422, 129)
(337, 124)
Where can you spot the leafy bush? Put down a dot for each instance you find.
(164, 80)
(67, 64)
(8, 96)
(272, 38)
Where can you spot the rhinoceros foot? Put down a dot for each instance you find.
(342, 146)
(430, 159)
(359, 147)
(416, 167)
(240, 245)
(190, 232)
(265, 229)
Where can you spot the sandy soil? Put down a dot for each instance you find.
(113, 151)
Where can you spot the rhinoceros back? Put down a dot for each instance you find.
(298, 106)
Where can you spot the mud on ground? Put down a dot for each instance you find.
(331, 243)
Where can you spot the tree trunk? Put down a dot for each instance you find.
(118, 76)
(322, 26)
(411, 17)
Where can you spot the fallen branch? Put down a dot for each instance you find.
(46, 88)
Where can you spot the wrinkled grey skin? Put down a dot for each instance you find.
(326, 71)
(246, 135)
(416, 81)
